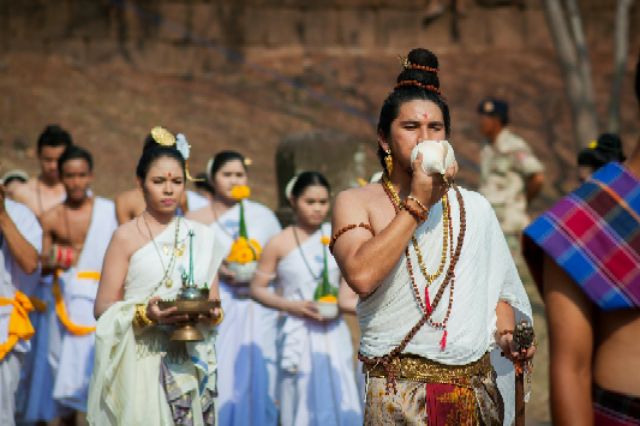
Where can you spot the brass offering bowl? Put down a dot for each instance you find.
(191, 303)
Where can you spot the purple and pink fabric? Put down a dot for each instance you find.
(615, 409)
(594, 235)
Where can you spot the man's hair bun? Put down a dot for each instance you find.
(420, 69)
(423, 57)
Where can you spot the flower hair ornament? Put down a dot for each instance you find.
(165, 138)
(288, 189)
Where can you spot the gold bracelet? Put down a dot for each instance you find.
(418, 202)
(216, 321)
(140, 319)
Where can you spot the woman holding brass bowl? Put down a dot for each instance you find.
(140, 376)
(246, 342)
(316, 377)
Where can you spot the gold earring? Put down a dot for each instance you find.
(388, 162)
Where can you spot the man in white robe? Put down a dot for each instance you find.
(20, 239)
(76, 236)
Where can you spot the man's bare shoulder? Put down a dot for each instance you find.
(31, 184)
(361, 192)
(362, 196)
(25, 192)
(128, 196)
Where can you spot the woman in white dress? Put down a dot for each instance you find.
(246, 342)
(316, 378)
(140, 377)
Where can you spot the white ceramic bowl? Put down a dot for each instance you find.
(243, 271)
(327, 310)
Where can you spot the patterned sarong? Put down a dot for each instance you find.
(435, 394)
(594, 235)
(615, 409)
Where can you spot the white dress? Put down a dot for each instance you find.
(126, 384)
(246, 343)
(316, 376)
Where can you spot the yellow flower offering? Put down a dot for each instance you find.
(328, 299)
(240, 192)
(325, 292)
(244, 251)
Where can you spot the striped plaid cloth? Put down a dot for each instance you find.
(594, 235)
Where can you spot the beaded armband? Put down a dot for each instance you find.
(347, 228)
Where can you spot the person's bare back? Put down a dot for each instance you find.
(38, 196)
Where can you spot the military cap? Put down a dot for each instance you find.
(495, 108)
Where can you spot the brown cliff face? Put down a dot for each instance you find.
(157, 33)
(245, 74)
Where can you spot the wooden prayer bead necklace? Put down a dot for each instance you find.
(385, 360)
(427, 307)
(446, 231)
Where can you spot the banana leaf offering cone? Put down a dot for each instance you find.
(326, 295)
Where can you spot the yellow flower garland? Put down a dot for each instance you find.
(20, 326)
(61, 310)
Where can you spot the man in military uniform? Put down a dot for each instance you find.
(511, 175)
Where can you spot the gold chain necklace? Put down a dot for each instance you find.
(414, 242)
(166, 279)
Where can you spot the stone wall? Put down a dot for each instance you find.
(179, 35)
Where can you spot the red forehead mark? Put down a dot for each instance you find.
(426, 116)
(169, 174)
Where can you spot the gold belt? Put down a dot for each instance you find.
(418, 369)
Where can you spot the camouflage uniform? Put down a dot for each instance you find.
(505, 167)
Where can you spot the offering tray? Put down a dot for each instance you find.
(185, 306)
(187, 331)
(191, 301)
